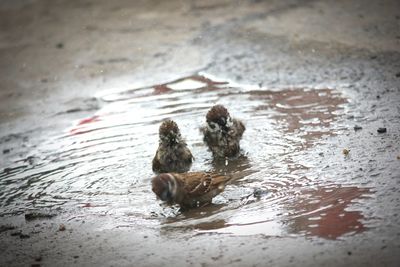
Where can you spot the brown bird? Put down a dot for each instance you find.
(172, 154)
(222, 133)
(189, 190)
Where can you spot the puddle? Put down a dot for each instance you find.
(102, 164)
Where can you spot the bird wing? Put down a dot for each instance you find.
(156, 163)
(198, 183)
(239, 126)
(189, 157)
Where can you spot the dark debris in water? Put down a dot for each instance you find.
(20, 234)
(13, 137)
(4, 228)
(258, 192)
(38, 215)
(82, 105)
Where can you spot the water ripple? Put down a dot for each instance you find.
(102, 163)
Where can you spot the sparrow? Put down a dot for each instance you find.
(172, 154)
(189, 190)
(222, 133)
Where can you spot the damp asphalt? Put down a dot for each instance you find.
(84, 86)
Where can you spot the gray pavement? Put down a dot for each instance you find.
(56, 56)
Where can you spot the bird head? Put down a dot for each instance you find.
(164, 186)
(218, 118)
(169, 132)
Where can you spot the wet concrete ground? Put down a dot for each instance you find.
(302, 74)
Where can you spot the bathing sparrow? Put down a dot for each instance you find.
(172, 154)
(189, 190)
(222, 133)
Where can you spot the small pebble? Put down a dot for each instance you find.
(381, 130)
(346, 151)
(62, 227)
(357, 127)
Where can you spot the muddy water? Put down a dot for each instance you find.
(102, 164)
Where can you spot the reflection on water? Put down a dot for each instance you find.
(324, 212)
(308, 113)
(102, 164)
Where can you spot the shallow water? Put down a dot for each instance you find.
(102, 164)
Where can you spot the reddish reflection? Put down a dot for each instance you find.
(323, 212)
(306, 112)
(161, 89)
(80, 128)
(187, 83)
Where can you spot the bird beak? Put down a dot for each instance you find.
(165, 195)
